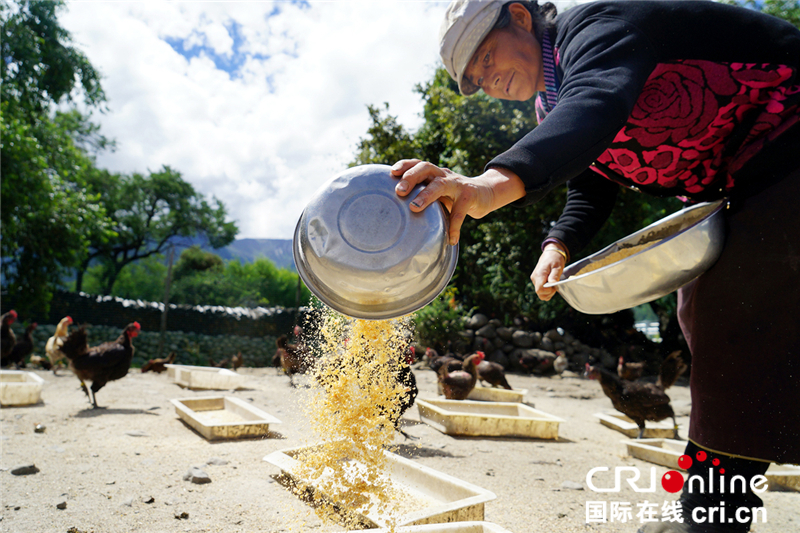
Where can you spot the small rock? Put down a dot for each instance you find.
(149, 500)
(136, 433)
(182, 516)
(488, 331)
(24, 470)
(477, 321)
(40, 428)
(196, 475)
(61, 505)
(522, 339)
(572, 485)
(217, 461)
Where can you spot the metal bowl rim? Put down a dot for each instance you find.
(722, 204)
(444, 280)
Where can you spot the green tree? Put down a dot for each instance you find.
(201, 279)
(47, 218)
(788, 10)
(149, 213)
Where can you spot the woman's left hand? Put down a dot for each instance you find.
(462, 196)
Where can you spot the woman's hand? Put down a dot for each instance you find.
(548, 269)
(462, 196)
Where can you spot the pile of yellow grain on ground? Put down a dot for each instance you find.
(354, 394)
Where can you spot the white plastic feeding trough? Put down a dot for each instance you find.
(491, 394)
(18, 387)
(204, 377)
(623, 424)
(488, 419)
(456, 527)
(665, 452)
(221, 417)
(428, 496)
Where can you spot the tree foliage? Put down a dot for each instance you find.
(148, 214)
(788, 10)
(202, 278)
(47, 218)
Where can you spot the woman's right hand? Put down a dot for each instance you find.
(548, 270)
(460, 195)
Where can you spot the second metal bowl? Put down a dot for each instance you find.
(691, 242)
(361, 250)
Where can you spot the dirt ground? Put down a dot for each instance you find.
(121, 468)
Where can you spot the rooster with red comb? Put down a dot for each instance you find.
(100, 364)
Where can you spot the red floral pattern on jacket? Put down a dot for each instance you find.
(697, 122)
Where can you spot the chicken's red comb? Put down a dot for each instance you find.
(69, 319)
(13, 313)
(136, 325)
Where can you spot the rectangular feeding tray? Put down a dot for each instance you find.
(18, 387)
(204, 377)
(665, 452)
(491, 394)
(221, 417)
(456, 527)
(428, 496)
(623, 424)
(488, 419)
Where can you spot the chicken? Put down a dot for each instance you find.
(52, 348)
(237, 361)
(458, 384)
(100, 364)
(157, 365)
(7, 337)
(452, 361)
(22, 348)
(221, 364)
(293, 357)
(629, 371)
(37, 361)
(640, 400)
(561, 363)
(671, 369)
(493, 374)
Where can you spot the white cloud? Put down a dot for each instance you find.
(264, 139)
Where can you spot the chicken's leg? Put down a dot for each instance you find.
(641, 429)
(675, 426)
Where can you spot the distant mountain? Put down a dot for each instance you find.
(279, 251)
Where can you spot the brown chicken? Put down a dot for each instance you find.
(7, 337)
(22, 348)
(640, 400)
(493, 374)
(458, 384)
(293, 357)
(221, 364)
(100, 364)
(53, 347)
(629, 371)
(158, 365)
(237, 361)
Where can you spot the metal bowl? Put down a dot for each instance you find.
(360, 249)
(692, 240)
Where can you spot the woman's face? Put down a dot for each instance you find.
(508, 63)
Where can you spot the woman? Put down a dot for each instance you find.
(692, 99)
